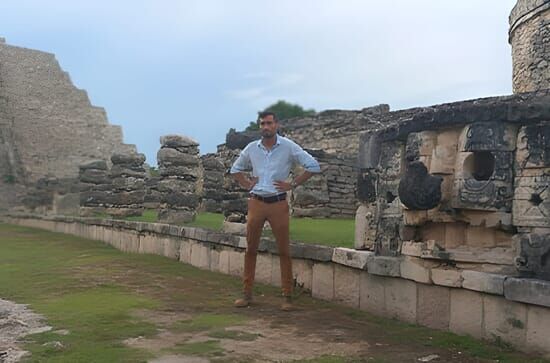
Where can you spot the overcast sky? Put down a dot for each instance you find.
(200, 67)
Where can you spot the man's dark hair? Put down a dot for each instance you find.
(263, 114)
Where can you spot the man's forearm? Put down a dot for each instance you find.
(302, 178)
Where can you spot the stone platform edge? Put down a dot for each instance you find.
(483, 305)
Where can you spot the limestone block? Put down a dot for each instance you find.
(130, 241)
(401, 299)
(504, 319)
(466, 312)
(236, 263)
(200, 256)
(443, 155)
(264, 266)
(224, 261)
(421, 143)
(538, 329)
(322, 286)
(185, 251)
(302, 271)
(383, 265)
(346, 285)
(276, 271)
(371, 297)
(215, 260)
(148, 244)
(433, 309)
(351, 258)
(487, 219)
(530, 291)
(483, 282)
(412, 248)
(171, 248)
(455, 235)
(433, 232)
(234, 228)
(480, 237)
(416, 269)
(450, 277)
(415, 217)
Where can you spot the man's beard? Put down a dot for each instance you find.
(268, 134)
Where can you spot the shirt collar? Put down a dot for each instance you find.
(277, 142)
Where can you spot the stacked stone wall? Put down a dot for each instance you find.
(213, 191)
(95, 187)
(330, 193)
(530, 41)
(179, 168)
(128, 179)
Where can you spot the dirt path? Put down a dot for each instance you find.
(17, 321)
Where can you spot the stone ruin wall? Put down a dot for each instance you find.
(465, 182)
(529, 37)
(48, 127)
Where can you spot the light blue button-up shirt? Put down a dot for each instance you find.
(274, 164)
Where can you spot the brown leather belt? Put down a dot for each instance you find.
(270, 199)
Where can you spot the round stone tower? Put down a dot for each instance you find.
(529, 37)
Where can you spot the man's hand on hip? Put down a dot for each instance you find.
(282, 185)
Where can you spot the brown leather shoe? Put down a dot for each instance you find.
(244, 301)
(287, 304)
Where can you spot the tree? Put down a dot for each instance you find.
(284, 110)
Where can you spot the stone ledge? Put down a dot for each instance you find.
(530, 291)
(483, 282)
(352, 258)
(384, 266)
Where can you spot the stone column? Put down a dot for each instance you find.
(213, 180)
(128, 179)
(179, 164)
(95, 188)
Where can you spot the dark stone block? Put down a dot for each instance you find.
(366, 186)
(94, 164)
(534, 256)
(128, 159)
(418, 190)
(125, 171)
(94, 176)
(128, 198)
(488, 136)
(235, 205)
(238, 140)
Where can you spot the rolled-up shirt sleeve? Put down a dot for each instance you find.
(305, 159)
(242, 163)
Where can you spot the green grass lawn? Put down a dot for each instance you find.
(102, 297)
(328, 232)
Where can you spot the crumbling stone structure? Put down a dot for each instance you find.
(529, 37)
(213, 192)
(48, 128)
(179, 168)
(51, 195)
(128, 179)
(331, 194)
(152, 194)
(464, 182)
(95, 187)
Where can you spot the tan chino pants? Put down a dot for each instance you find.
(278, 217)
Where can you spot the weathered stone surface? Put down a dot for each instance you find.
(433, 309)
(400, 297)
(310, 252)
(94, 176)
(504, 319)
(483, 282)
(416, 269)
(351, 258)
(346, 285)
(175, 141)
(168, 156)
(532, 200)
(531, 291)
(128, 159)
(323, 281)
(450, 277)
(372, 293)
(176, 216)
(366, 223)
(303, 273)
(533, 146)
(466, 312)
(534, 255)
(384, 266)
(238, 140)
(538, 329)
(94, 164)
(178, 199)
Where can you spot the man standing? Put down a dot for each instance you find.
(270, 160)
